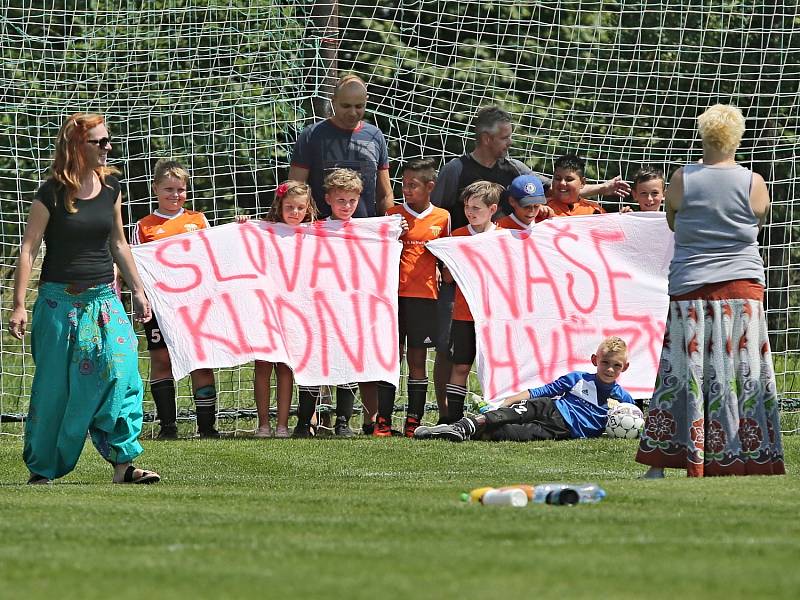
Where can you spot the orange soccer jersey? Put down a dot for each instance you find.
(157, 226)
(512, 222)
(579, 208)
(417, 264)
(461, 311)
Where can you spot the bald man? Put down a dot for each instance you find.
(345, 141)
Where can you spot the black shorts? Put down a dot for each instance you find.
(462, 342)
(444, 310)
(155, 341)
(536, 419)
(417, 321)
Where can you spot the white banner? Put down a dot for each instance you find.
(543, 301)
(321, 298)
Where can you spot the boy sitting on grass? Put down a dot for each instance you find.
(573, 406)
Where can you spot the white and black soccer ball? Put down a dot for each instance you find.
(625, 421)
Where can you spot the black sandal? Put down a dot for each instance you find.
(145, 478)
(35, 479)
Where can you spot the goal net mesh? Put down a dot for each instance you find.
(226, 87)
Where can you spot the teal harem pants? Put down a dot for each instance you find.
(86, 378)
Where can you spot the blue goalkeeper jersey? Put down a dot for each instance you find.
(582, 400)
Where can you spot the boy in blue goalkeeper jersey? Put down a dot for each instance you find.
(573, 406)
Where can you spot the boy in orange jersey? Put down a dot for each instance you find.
(565, 193)
(170, 181)
(528, 203)
(480, 203)
(418, 290)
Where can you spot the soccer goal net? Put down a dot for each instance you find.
(226, 86)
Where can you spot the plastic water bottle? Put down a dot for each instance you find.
(567, 494)
(509, 497)
(541, 491)
(512, 496)
(475, 495)
(481, 406)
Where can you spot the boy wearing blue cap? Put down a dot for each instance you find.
(528, 203)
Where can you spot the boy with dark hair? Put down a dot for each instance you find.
(565, 192)
(573, 406)
(418, 290)
(648, 188)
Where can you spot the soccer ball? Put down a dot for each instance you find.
(625, 421)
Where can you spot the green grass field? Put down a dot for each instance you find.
(368, 518)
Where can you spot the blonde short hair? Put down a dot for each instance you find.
(613, 345)
(169, 168)
(343, 179)
(487, 192)
(721, 127)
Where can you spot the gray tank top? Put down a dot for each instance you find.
(715, 229)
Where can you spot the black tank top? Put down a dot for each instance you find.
(76, 245)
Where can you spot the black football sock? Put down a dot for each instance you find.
(455, 401)
(467, 426)
(306, 404)
(386, 396)
(163, 391)
(417, 395)
(345, 400)
(205, 401)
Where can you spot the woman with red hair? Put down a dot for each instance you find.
(83, 345)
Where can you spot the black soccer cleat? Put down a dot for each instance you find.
(168, 432)
(209, 434)
(302, 432)
(342, 429)
(444, 432)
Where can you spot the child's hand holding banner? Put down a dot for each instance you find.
(542, 301)
(321, 298)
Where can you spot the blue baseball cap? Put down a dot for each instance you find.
(527, 190)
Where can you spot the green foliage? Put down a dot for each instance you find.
(196, 81)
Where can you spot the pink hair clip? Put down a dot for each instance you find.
(281, 190)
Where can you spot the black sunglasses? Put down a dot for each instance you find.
(101, 143)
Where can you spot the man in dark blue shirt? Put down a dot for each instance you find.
(345, 141)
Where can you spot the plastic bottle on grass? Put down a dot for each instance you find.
(541, 491)
(475, 495)
(498, 497)
(568, 494)
(528, 489)
(480, 405)
(507, 497)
